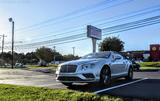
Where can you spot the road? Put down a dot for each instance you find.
(147, 89)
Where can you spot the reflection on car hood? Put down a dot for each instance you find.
(83, 61)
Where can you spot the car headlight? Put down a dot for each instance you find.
(85, 66)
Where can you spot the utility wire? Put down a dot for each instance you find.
(141, 12)
(143, 23)
(73, 14)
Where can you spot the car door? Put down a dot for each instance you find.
(118, 64)
(115, 65)
(123, 64)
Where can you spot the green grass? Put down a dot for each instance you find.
(25, 93)
(150, 65)
(53, 69)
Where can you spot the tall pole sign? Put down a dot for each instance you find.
(95, 34)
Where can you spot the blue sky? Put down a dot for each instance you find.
(40, 20)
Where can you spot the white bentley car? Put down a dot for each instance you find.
(95, 67)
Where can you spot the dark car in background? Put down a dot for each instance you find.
(135, 65)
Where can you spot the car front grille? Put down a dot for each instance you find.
(68, 68)
(63, 78)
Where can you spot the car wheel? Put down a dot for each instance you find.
(130, 74)
(105, 77)
(67, 84)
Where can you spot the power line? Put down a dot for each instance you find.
(141, 12)
(124, 29)
(55, 40)
(74, 14)
(141, 23)
(122, 26)
(109, 33)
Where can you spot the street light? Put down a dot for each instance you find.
(11, 20)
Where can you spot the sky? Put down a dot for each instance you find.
(41, 20)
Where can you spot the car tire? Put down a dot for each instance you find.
(67, 84)
(129, 77)
(137, 68)
(105, 77)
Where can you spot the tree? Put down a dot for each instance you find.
(45, 54)
(111, 44)
(70, 57)
(7, 57)
(30, 58)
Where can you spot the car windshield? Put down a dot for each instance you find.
(97, 55)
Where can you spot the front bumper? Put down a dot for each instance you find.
(76, 77)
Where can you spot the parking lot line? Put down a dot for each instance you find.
(103, 90)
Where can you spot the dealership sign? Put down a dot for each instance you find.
(94, 32)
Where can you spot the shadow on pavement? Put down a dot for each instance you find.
(148, 70)
(95, 86)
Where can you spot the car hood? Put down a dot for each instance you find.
(83, 61)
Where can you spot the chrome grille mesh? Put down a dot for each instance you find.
(68, 68)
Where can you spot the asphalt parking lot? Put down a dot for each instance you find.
(147, 88)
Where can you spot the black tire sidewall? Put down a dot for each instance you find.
(102, 80)
(128, 77)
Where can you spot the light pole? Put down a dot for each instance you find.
(11, 20)
(73, 51)
(2, 43)
(54, 49)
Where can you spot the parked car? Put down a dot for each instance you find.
(7, 65)
(19, 65)
(135, 65)
(95, 67)
(138, 61)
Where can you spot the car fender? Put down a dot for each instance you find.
(129, 66)
(102, 66)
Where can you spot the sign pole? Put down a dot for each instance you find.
(94, 44)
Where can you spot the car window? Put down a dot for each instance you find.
(97, 55)
(118, 57)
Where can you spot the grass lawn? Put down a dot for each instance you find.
(25, 93)
(150, 65)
